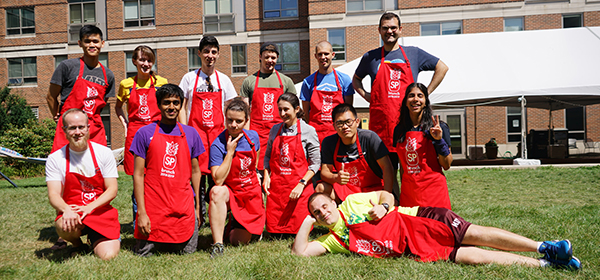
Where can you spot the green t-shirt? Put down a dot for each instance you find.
(267, 81)
(356, 210)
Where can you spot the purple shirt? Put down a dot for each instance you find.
(142, 138)
(218, 149)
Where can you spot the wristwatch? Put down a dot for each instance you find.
(386, 206)
(303, 182)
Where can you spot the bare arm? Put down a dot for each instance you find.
(71, 220)
(342, 177)
(438, 75)
(121, 114)
(378, 211)
(196, 174)
(445, 161)
(183, 113)
(358, 87)
(349, 99)
(306, 108)
(52, 99)
(220, 172)
(388, 173)
(301, 246)
(143, 221)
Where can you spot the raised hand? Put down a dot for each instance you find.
(232, 143)
(436, 130)
(377, 212)
(342, 176)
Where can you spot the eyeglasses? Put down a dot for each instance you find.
(80, 127)
(209, 84)
(348, 122)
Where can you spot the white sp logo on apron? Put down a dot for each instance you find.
(354, 180)
(412, 157)
(375, 247)
(285, 155)
(144, 110)
(89, 103)
(170, 158)
(268, 105)
(87, 192)
(327, 104)
(244, 164)
(394, 84)
(207, 113)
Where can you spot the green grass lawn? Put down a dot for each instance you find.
(543, 204)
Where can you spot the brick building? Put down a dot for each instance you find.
(36, 35)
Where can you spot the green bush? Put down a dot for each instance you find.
(14, 110)
(33, 140)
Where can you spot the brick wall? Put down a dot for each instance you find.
(591, 18)
(412, 4)
(323, 7)
(360, 39)
(593, 122)
(411, 29)
(317, 35)
(487, 123)
(50, 24)
(538, 22)
(482, 25)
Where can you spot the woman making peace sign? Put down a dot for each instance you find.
(423, 149)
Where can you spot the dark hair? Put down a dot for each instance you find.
(168, 90)
(405, 122)
(388, 16)
(239, 105)
(313, 197)
(294, 101)
(147, 52)
(270, 47)
(343, 108)
(70, 111)
(208, 41)
(88, 30)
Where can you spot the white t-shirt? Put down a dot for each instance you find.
(189, 79)
(81, 163)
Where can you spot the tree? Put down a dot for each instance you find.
(14, 111)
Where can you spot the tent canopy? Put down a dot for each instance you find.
(553, 69)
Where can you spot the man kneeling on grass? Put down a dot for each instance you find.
(365, 223)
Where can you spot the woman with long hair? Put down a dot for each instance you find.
(291, 160)
(423, 147)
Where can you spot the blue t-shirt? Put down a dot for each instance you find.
(419, 59)
(326, 83)
(142, 138)
(218, 148)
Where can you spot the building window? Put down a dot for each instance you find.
(138, 13)
(20, 21)
(570, 21)
(130, 69)
(364, 5)
(105, 115)
(441, 28)
(289, 56)
(575, 119)
(103, 58)
(218, 16)
(194, 61)
(280, 8)
(513, 124)
(337, 38)
(36, 112)
(22, 71)
(58, 59)
(513, 24)
(81, 12)
(238, 59)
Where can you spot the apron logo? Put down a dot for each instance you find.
(285, 155)
(412, 157)
(144, 111)
(87, 192)
(394, 83)
(268, 106)
(244, 164)
(327, 104)
(89, 103)
(170, 158)
(354, 180)
(207, 107)
(374, 247)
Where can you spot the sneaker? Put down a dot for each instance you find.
(216, 250)
(573, 264)
(556, 251)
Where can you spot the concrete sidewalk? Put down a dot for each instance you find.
(568, 165)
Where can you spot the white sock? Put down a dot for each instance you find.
(544, 263)
(539, 244)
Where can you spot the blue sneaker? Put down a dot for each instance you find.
(558, 252)
(573, 264)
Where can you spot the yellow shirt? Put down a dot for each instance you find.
(127, 84)
(355, 208)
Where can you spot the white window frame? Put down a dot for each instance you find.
(280, 11)
(20, 28)
(441, 27)
(281, 65)
(337, 50)
(364, 4)
(139, 18)
(223, 20)
(239, 66)
(22, 77)
(514, 18)
(75, 27)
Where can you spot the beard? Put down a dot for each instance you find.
(79, 145)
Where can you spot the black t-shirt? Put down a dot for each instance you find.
(67, 72)
(443, 125)
(371, 145)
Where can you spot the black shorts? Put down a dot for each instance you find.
(93, 236)
(456, 223)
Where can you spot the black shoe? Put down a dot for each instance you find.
(217, 250)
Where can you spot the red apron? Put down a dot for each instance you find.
(321, 104)
(89, 97)
(362, 178)
(264, 114)
(423, 181)
(143, 110)
(81, 190)
(207, 118)
(245, 194)
(168, 195)
(288, 165)
(387, 93)
(397, 234)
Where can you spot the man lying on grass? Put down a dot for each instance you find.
(366, 224)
